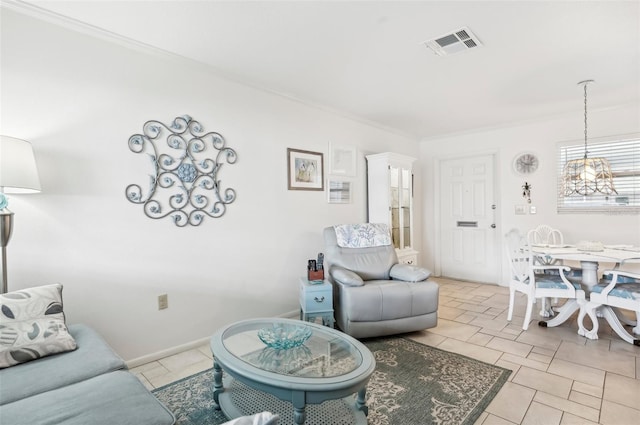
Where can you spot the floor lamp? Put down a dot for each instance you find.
(18, 174)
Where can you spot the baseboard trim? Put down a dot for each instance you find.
(139, 361)
(165, 353)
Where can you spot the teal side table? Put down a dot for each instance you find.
(316, 301)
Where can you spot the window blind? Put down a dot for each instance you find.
(623, 153)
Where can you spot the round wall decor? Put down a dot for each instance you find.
(525, 163)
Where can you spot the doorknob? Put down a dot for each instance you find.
(493, 226)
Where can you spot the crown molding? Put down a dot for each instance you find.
(109, 36)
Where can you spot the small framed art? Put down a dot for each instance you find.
(305, 170)
(342, 160)
(338, 191)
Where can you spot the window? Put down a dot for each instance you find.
(623, 153)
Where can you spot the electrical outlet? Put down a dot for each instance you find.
(163, 301)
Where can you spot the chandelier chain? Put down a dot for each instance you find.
(587, 176)
(585, 119)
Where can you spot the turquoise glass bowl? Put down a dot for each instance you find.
(283, 337)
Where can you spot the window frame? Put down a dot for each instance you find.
(597, 147)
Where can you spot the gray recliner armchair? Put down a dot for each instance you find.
(373, 294)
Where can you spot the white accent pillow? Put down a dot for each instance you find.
(262, 418)
(32, 325)
(409, 273)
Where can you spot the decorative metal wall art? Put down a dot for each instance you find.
(186, 163)
(526, 192)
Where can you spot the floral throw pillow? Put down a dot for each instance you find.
(365, 235)
(32, 325)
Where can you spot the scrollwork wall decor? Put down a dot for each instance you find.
(186, 164)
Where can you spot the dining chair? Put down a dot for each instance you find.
(547, 235)
(535, 280)
(544, 234)
(618, 289)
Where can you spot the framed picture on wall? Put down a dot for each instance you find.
(342, 160)
(338, 191)
(305, 170)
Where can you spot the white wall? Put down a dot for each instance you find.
(78, 99)
(540, 138)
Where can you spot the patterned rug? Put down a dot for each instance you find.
(413, 384)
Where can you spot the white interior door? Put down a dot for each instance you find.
(468, 236)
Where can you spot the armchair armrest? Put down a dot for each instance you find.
(623, 276)
(409, 273)
(619, 277)
(574, 275)
(345, 277)
(558, 269)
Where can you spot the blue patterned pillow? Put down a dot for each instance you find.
(32, 325)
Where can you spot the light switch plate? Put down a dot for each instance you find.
(163, 301)
(521, 209)
(532, 209)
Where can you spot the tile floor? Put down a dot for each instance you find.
(558, 376)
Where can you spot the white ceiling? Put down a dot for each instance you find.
(365, 59)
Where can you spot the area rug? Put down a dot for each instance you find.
(413, 384)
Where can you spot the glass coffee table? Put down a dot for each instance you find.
(323, 364)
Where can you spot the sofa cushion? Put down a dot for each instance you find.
(388, 300)
(32, 325)
(92, 357)
(111, 398)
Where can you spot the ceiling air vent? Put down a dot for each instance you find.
(454, 42)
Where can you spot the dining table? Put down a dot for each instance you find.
(590, 258)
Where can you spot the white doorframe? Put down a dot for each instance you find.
(437, 202)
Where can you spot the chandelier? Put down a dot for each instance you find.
(586, 176)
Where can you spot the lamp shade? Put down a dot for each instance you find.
(586, 176)
(18, 171)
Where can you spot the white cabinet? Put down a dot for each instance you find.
(390, 199)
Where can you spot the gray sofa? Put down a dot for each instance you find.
(89, 385)
(374, 295)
